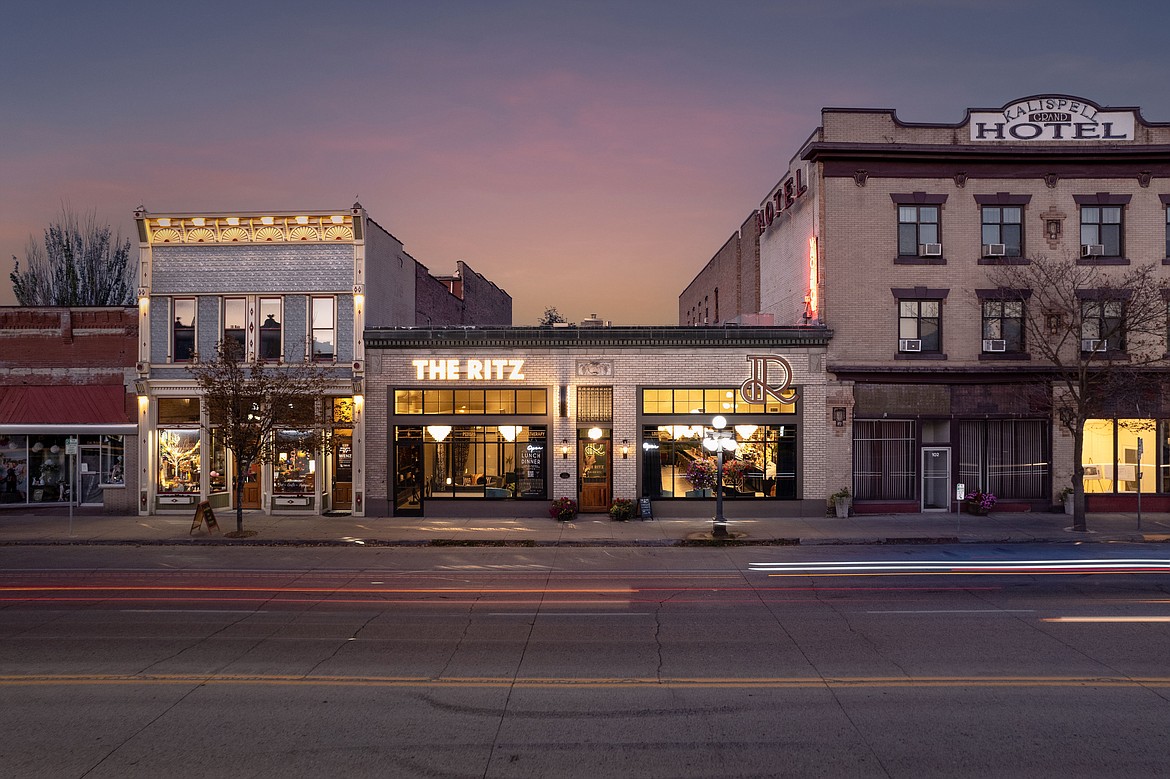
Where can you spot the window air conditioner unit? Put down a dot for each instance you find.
(994, 345)
(1092, 250)
(910, 345)
(994, 249)
(1094, 345)
(930, 250)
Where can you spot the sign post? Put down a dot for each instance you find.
(71, 451)
(1139, 482)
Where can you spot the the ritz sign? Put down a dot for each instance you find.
(471, 370)
(770, 376)
(1052, 118)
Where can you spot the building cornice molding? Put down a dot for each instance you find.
(598, 337)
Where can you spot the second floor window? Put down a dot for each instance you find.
(183, 330)
(1002, 227)
(1101, 228)
(324, 324)
(917, 228)
(270, 330)
(235, 318)
(1102, 325)
(918, 326)
(1003, 326)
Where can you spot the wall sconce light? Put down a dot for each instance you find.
(839, 416)
(625, 448)
(565, 448)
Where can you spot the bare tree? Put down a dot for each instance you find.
(1100, 335)
(80, 264)
(248, 402)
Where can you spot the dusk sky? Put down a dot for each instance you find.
(590, 156)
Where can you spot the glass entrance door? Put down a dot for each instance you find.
(89, 476)
(342, 471)
(936, 478)
(408, 460)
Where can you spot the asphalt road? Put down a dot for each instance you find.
(486, 662)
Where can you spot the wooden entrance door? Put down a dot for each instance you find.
(594, 468)
(251, 496)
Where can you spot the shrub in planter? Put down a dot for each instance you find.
(622, 510)
(840, 501)
(980, 502)
(563, 509)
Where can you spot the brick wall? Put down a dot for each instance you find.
(63, 342)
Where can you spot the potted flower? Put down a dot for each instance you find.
(1067, 497)
(622, 509)
(733, 471)
(841, 500)
(980, 502)
(701, 473)
(563, 509)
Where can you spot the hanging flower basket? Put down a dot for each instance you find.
(701, 473)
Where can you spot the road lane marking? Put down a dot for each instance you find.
(594, 682)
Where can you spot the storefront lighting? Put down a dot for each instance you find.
(509, 432)
(625, 448)
(746, 431)
(439, 432)
(312, 466)
(565, 448)
(595, 433)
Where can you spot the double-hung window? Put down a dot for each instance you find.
(1003, 326)
(1102, 225)
(235, 323)
(1003, 231)
(1102, 325)
(1166, 208)
(324, 328)
(919, 325)
(183, 330)
(269, 314)
(918, 231)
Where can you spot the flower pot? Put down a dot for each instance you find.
(841, 506)
(1069, 508)
(976, 509)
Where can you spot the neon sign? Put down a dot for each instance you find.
(473, 370)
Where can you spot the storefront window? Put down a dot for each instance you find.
(884, 452)
(1110, 455)
(1006, 457)
(13, 469)
(48, 470)
(295, 465)
(505, 461)
(218, 464)
(532, 402)
(178, 461)
(675, 464)
(113, 461)
(710, 401)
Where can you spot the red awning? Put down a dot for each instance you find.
(95, 404)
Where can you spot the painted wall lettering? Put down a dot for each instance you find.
(1054, 118)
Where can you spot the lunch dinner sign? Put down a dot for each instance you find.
(1051, 118)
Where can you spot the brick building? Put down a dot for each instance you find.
(889, 232)
(499, 421)
(291, 288)
(66, 379)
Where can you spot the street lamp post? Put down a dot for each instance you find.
(718, 440)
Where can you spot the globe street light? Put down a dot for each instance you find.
(718, 439)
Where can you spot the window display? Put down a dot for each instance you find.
(295, 466)
(505, 461)
(178, 461)
(13, 469)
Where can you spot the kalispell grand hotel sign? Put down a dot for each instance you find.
(1052, 118)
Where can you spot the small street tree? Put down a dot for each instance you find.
(80, 264)
(248, 402)
(550, 317)
(1100, 335)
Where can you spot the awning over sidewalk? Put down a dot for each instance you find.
(44, 408)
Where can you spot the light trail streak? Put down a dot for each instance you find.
(1106, 619)
(964, 568)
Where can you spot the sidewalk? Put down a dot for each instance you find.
(586, 530)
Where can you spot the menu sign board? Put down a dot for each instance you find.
(532, 464)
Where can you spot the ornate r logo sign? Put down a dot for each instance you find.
(757, 387)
